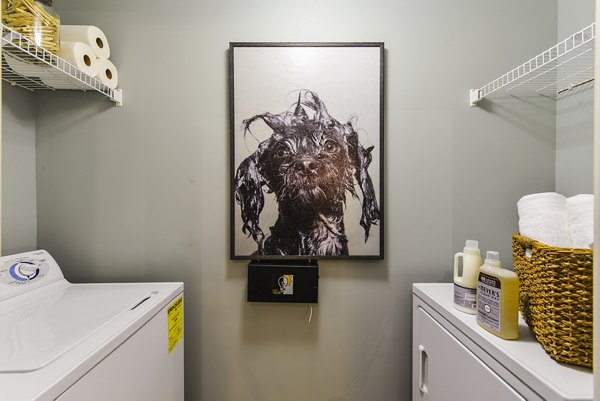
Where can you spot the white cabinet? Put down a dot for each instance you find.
(455, 359)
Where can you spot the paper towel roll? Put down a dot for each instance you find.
(90, 35)
(80, 55)
(107, 73)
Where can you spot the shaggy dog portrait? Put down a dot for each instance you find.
(310, 163)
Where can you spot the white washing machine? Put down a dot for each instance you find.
(92, 342)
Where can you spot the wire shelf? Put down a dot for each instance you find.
(564, 66)
(34, 68)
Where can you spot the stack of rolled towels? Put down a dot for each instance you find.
(556, 220)
(83, 46)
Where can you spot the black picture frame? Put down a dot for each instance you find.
(306, 150)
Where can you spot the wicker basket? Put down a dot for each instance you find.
(556, 297)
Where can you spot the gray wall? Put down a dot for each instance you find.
(19, 214)
(574, 112)
(140, 193)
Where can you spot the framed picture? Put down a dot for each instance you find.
(306, 124)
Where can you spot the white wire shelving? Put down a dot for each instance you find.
(34, 68)
(562, 67)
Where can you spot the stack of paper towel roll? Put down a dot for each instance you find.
(87, 48)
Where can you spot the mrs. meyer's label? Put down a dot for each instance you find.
(488, 302)
(465, 297)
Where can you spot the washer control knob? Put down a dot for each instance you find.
(27, 270)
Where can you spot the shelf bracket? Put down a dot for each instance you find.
(118, 97)
(474, 97)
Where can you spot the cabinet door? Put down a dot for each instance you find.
(444, 369)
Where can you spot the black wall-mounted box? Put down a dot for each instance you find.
(294, 281)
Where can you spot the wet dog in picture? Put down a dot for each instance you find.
(310, 162)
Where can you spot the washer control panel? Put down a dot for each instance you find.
(25, 271)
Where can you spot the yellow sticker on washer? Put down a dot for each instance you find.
(175, 318)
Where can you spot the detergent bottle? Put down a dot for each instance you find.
(465, 284)
(498, 298)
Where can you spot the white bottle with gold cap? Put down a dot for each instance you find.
(465, 284)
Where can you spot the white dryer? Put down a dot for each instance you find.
(67, 342)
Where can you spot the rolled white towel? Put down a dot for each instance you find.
(534, 203)
(550, 228)
(543, 217)
(580, 209)
(583, 235)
